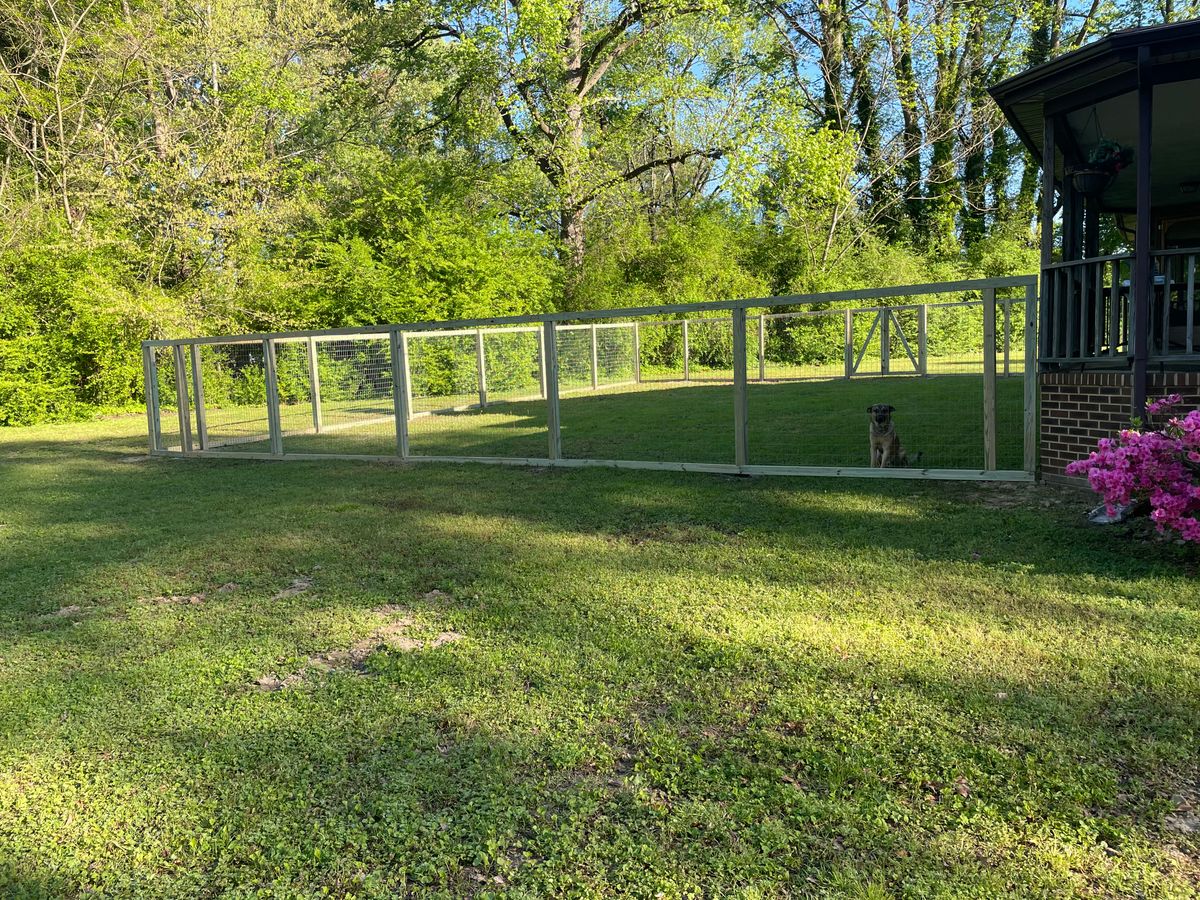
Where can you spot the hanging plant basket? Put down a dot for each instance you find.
(1092, 182)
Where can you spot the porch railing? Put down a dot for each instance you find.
(1087, 309)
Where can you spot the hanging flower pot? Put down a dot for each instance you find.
(1092, 182)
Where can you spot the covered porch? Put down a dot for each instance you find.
(1116, 126)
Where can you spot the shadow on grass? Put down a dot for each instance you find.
(615, 714)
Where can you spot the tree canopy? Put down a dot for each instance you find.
(174, 166)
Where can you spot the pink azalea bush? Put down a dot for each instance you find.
(1158, 465)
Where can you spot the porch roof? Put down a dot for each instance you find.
(1093, 91)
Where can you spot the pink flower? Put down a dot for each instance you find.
(1161, 467)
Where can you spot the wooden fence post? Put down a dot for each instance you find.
(989, 379)
(181, 400)
(198, 395)
(687, 372)
(885, 341)
(481, 367)
(637, 353)
(741, 450)
(274, 423)
(150, 374)
(401, 397)
(314, 381)
(552, 421)
(848, 344)
(923, 339)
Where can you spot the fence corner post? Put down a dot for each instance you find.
(923, 340)
(848, 344)
(314, 382)
(1031, 377)
(637, 353)
(401, 390)
(274, 423)
(553, 428)
(741, 444)
(481, 368)
(150, 374)
(989, 379)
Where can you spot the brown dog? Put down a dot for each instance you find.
(886, 450)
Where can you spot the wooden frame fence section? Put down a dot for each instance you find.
(886, 326)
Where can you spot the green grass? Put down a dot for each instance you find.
(791, 423)
(664, 685)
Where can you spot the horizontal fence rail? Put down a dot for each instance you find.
(776, 385)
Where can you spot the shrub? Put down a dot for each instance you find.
(1160, 466)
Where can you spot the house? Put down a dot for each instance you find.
(1115, 126)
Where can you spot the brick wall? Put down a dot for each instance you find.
(1078, 408)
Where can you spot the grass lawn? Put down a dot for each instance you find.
(822, 423)
(224, 678)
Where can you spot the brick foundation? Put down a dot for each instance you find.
(1079, 408)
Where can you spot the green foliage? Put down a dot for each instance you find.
(71, 319)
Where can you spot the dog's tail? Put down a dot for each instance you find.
(914, 460)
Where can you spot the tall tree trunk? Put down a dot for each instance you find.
(571, 221)
(913, 136)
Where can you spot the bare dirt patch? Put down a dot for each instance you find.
(67, 612)
(1014, 495)
(298, 586)
(675, 533)
(1185, 818)
(392, 635)
(177, 599)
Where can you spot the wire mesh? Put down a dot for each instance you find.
(710, 349)
(660, 348)
(626, 397)
(808, 405)
(234, 382)
(336, 396)
(637, 390)
(512, 365)
(456, 413)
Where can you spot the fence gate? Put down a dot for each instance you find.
(771, 386)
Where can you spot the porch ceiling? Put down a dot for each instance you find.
(1103, 76)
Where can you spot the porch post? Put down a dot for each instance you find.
(1142, 273)
(1047, 223)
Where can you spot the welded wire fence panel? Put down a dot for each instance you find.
(512, 364)
(650, 391)
(336, 396)
(575, 369)
(615, 367)
(925, 360)
(659, 418)
(661, 351)
(169, 433)
(235, 397)
(799, 345)
(453, 410)
(710, 349)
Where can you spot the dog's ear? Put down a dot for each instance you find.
(870, 409)
(891, 409)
